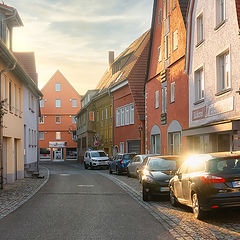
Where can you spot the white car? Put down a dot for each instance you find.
(95, 158)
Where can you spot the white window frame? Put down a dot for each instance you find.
(59, 136)
(171, 145)
(175, 40)
(156, 99)
(164, 99)
(127, 115)
(159, 54)
(199, 84)
(121, 147)
(132, 113)
(118, 117)
(58, 87)
(41, 102)
(200, 27)
(172, 92)
(41, 136)
(223, 71)
(56, 119)
(58, 103)
(166, 47)
(220, 12)
(41, 118)
(74, 103)
(122, 116)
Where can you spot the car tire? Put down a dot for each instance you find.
(110, 170)
(91, 166)
(145, 195)
(197, 211)
(128, 174)
(173, 199)
(118, 171)
(85, 166)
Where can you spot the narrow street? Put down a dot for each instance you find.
(80, 204)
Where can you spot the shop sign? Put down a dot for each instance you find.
(57, 144)
(199, 113)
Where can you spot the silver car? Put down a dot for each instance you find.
(135, 163)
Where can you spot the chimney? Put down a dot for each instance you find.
(110, 57)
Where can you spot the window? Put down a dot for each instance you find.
(174, 143)
(164, 99)
(3, 88)
(73, 120)
(223, 71)
(102, 115)
(58, 87)
(199, 85)
(41, 135)
(10, 96)
(58, 119)
(58, 103)
(15, 98)
(156, 144)
(121, 147)
(160, 16)
(122, 117)
(19, 101)
(166, 47)
(58, 135)
(29, 137)
(165, 8)
(132, 114)
(74, 103)
(157, 99)
(42, 103)
(172, 92)
(97, 116)
(220, 11)
(175, 40)
(41, 120)
(159, 54)
(118, 118)
(106, 113)
(200, 29)
(91, 116)
(127, 115)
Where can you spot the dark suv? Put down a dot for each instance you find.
(206, 182)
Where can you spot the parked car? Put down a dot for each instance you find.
(207, 182)
(120, 162)
(94, 159)
(156, 174)
(135, 164)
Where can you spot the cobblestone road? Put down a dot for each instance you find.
(14, 195)
(223, 224)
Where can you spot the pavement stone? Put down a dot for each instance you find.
(14, 195)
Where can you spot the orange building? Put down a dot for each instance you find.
(57, 125)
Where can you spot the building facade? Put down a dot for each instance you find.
(213, 66)
(166, 90)
(14, 79)
(57, 124)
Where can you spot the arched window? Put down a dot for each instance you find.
(156, 139)
(174, 137)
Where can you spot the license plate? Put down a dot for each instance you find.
(164, 189)
(236, 184)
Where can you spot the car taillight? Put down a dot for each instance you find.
(121, 161)
(212, 179)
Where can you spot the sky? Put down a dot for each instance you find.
(74, 36)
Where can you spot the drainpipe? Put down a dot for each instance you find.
(1, 122)
(38, 154)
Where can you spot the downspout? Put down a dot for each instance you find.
(1, 122)
(38, 155)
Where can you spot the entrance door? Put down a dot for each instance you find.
(57, 154)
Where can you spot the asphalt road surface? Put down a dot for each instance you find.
(81, 204)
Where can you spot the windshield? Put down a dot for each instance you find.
(230, 165)
(160, 164)
(128, 156)
(98, 154)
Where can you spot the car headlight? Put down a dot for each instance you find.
(147, 178)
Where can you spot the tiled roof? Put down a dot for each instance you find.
(27, 61)
(238, 11)
(184, 7)
(12, 10)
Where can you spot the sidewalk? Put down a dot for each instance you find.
(14, 195)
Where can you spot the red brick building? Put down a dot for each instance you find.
(57, 125)
(166, 90)
(128, 97)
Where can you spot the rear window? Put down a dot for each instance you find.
(160, 164)
(128, 156)
(231, 165)
(98, 154)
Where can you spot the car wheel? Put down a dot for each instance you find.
(173, 199)
(197, 212)
(118, 171)
(145, 195)
(110, 170)
(85, 165)
(128, 174)
(91, 166)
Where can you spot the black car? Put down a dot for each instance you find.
(119, 163)
(207, 182)
(156, 174)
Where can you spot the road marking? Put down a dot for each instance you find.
(64, 174)
(85, 185)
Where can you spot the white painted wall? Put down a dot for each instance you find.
(215, 42)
